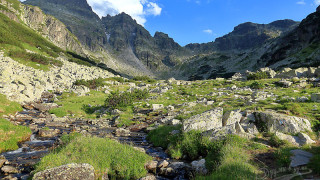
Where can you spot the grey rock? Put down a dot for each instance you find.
(282, 123)
(122, 132)
(9, 170)
(67, 172)
(156, 107)
(231, 117)
(199, 167)
(48, 132)
(151, 166)
(300, 158)
(305, 139)
(206, 121)
(163, 164)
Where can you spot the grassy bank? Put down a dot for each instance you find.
(10, 135)
(105, 155)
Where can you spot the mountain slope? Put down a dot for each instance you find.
(300, 47)
(119, 35)
(246, 36)
(79, 18)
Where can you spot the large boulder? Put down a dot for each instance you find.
(67, 172)
(231, 117)
(273, 122)
(222, 132)
(206, 121)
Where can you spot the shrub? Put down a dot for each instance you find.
(119, 160)
(118, 100)
(73, 57)
(257, 76)
(276, 142)
(34, 57)
(144, 79)
(229, 160)
(190, 144)
(314, 163)
(257, 85)
(282, 156)
(92, 84)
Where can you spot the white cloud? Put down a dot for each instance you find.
(153, 9)
(317, 2)
(137, 9)
(302, 2)
(208, 31)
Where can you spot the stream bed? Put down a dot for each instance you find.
(36, 116)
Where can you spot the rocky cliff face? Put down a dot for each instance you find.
(79, 18)
(300, 47)
(118, 35)
(47, 26)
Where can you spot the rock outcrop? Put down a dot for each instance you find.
(273, 122)
(206, 121)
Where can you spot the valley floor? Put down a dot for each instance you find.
(148, 129)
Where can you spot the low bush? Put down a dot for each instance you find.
(277, 142)
(229, 160)
(119, 160)
(34, 57)
(117, 100)
(92, 84)
(257, 76)
(257, 85)
(144, 79)
(190, 145)
(314, 163)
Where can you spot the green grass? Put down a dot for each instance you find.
(230, 160)
(119, 160)
(190, 145)
(16, 34)
(8, 107)
(72, 104)
(11, 135)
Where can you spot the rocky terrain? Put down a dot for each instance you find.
(277, 115)
(24, 84)
(65, 114)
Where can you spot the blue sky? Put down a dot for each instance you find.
(199, 21)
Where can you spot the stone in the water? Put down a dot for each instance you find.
(67, 172)
(9, 170)
(151, 166)
(300, 158)
(163, 164)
